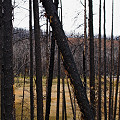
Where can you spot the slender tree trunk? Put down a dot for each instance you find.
(51, 67)
(1, 62)
(99, 87)
(47, 55)
(23, 95)
(92, 69)
(8, 60)
(64, 112)
(119, 105)
(117, 83)
(38, 61)
(105, 107)
(85, 48)
(68, 60)
(31, 63)
(74, 118)
(111, 68)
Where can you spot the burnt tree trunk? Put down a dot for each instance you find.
(68, 60)
(92, 69)
(99, 64)
(117, 83)
(105, 101)
(110, 116)
(38, 61)
(51, 67)
(8, 60)
(31, 63)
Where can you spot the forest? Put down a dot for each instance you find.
(48, 75)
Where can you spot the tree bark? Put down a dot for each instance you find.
(8, 60)
(92, 69)
(51, 67)
(31, 63)
(117, 83)
(105, 107)
(110, 117)
(68, 60)
(99, 64)
(38, 61)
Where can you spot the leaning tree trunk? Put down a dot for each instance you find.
(31, 63)
(8, 60)
(105, 107)
(92, 69)
(38, 61)
(99, 87)
(68, 60)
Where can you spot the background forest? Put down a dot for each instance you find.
(45, 74)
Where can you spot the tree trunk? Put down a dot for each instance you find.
(51, 67)
(117, 82)
(85, 48)
(68, 60)
(111, 68)
(1, 62)
(105, 107)
(38, 61)
(31, 63)
(99, 64)
(92, 69)
(8, 60)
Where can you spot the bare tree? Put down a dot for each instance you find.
(105, 107)
(31, 63)
(117, 83)
(8, 60)
(68, 60)
(111, 69)
(38, 61)
(99, 87)
(92, 69)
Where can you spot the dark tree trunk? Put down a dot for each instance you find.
(58, 78)
(92, 69)
(85, 48)
(31, 63)
(38, 61)
(23, 95)
(111, 69)
(64, 112)
(74, 118)
(105, 107)
(117, 83)
(68, 60)
(8, 60)
(99, 64)
(1, 62)
(51, 67)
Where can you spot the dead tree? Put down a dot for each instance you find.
(1, 62)
(85, 48)
(8, 60)
(105, 107)
(110, 116)
(49, 82)
(99, 87)
(38, 61)
(31, 63)
(68, 60)
(117, 83)
(92, 69)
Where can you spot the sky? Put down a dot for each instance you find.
(73, 16)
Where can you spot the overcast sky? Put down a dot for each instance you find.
(73, 16)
